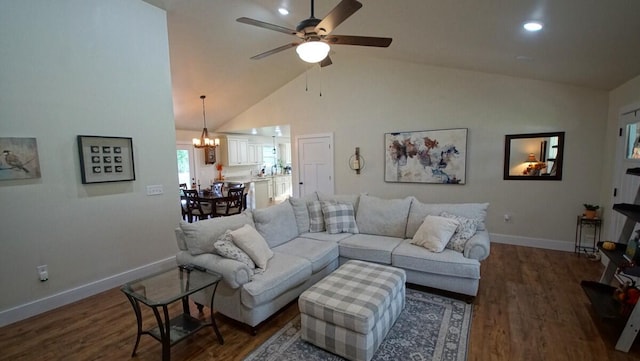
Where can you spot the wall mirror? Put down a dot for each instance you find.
(535, 156)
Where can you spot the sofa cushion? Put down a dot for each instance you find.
(285, 272)
(368, 247)
(277, 224)
(253, 244)
(316, 218)
(319, 253)
(419, 211)
(447, 262)
(326, 237)
(435, 232)
(339, 218)
(466, 229)
(384, 217)
(352, 199)
(200, 236)
(301, 211)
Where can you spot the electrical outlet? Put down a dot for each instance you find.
(155, 190)
(43, 272)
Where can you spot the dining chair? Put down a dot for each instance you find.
(196, 208)
(231, 204)
(235, 202)
(183, 205)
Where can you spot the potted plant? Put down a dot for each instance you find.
(590, 210)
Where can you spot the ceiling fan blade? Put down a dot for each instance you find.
(336, 16)
(326, 62)
(358, 40)
(262, 24)
(273, 51)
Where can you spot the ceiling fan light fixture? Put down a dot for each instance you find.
(313, 51)
(533, 26)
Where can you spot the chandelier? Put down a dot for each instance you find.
(204, 141)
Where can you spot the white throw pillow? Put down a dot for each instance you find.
(226, 248)
(253, 244)
(435, 232)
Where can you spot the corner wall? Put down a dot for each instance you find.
(364, 98)
(84, 68)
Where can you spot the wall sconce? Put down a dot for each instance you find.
(356, 161)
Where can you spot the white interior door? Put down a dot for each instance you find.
(627, 156)
(315, 164)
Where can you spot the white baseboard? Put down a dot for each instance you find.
(36, 307)
(533, 242)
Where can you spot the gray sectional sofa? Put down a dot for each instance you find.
(301, 258)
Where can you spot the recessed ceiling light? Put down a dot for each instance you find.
(254, 131)
(532, 26)
(283, 11)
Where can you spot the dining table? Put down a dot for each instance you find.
(218, 197)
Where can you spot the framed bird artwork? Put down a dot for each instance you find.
(19, 159)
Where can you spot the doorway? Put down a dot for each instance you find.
(627, 156)
(186, 163)
(315, 164)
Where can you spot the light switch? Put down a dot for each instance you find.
(155, 190)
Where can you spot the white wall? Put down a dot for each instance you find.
(624, 95)
(364, 98)
(86, 67)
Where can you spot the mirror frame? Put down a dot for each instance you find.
(559, 158)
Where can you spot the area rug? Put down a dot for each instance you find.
(430, 328)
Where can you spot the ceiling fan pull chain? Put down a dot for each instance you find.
(306, 80)
(320, 77)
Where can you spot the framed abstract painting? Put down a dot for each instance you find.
(427, 156)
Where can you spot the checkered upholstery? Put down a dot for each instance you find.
(316, 219)
(350, 311)
(339, 218)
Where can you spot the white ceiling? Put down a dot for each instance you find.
(588, 43)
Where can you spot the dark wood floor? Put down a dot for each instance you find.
(530, 307)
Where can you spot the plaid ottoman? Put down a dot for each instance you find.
(350, 311)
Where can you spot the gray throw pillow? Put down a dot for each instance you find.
(316, 218)
(466, 229)
(339, 218)
(225, 247)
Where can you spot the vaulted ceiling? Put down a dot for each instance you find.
(587, 43)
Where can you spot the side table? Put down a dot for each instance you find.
(582, 223)
(159, 291)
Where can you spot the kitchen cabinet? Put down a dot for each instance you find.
(233, 151)
(270, 188)
(262, 193)
(254, 153)
(282, 186)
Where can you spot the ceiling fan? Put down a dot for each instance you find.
(315, 34)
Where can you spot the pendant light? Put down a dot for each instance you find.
(205, 141)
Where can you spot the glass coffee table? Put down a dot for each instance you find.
(160, 290)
